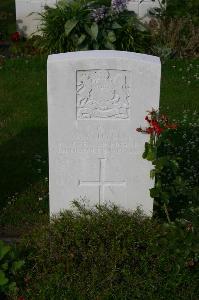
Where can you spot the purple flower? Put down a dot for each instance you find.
(99, 14)
(119, 5)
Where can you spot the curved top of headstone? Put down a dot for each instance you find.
(104, 54)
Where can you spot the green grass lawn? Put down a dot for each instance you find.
(180, 87)
(23, 133)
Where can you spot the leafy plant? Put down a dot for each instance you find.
(177, 9)
(183, 8)
(82, 25)
(174, 37)
(174, 28)
(9, 266)
(176, 185)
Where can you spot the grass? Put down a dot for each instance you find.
(23, 141)
(23, 133)
(179, 87)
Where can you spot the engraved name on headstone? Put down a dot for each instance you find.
(96, 100)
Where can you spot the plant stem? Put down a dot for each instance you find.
(167, 213)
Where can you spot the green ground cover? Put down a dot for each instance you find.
(108, 254)
(23, 133)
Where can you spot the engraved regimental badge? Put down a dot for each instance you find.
(102, 94)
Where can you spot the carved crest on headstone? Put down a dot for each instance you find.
(102, 94)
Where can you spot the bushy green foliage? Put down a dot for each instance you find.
(82, 25)
(107, 253)
(177, 9)
(174, 29)
(173, 151)
(174, 37)
(183, 8)
(180, 182)
(9, 266)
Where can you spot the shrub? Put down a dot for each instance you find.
(9, 266)
(174, 28)
(173, 150)
(82, 25)
(174, 37)
(183, 8)
(107, 253)
(177, 9)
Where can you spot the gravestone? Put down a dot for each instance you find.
(28, 17)
(142, 7)
(96, 100)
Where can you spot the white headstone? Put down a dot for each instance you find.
(28, 17)
(96, 100)
(142, 7)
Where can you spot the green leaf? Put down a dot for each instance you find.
(81, 39)
(17, 265)
(110, 46)
(4, 249)
(146, 149)
(140, 26)
(150, 155)
(111, 37)
(165, 197)
(94, 31)
(84, 47)
(12, 287)
(115, 25)
(152, 173)
(69, 25)
(87, 29)
(3, 279)
(158, 184)
(4, 266)
(96, 46)
(154, 192)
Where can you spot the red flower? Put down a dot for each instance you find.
(158, 130)
(157, 123)
(15, 37)
(20, 298)
(154, 123)
(156, 127)
(149, 130)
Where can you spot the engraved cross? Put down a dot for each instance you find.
(101, 183)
